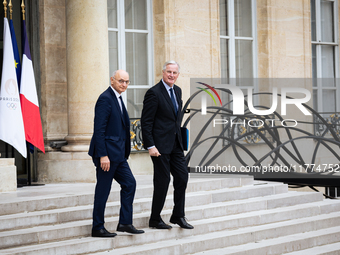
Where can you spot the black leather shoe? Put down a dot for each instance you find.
(181, 222)
(158, 224)
(102, 233)
(129, 228)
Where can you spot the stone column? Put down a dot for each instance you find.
(87, 67)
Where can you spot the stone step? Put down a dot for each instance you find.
(238, 205)
(57, 197)
(80, 228)
(202, 226)
(271, 234)
(300, 200)
(327, 241)
(83, 245)
(328, 249)
(63, 215)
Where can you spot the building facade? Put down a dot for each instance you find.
(77, 44)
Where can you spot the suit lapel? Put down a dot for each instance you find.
(115, 100)
(167, 97)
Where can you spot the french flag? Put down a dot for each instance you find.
(11, 123)
(29, 98)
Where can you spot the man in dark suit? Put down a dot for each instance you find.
(161, 122)
(110, 147)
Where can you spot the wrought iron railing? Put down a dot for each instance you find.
(282, 143)
(240, 130)
(136, 135)
(333, 123)
(326, 133)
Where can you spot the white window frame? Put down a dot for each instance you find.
(231, 38)
(231, 42)
(121, 43)
(318, 43)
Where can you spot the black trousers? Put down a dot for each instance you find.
(122, 174)
(165, 164)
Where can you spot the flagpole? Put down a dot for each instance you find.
(10, 9)
(5, 8)
(23, 9)
(29, 177)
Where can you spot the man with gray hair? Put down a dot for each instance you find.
(161, 130)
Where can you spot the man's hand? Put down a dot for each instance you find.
(105, 163)
(154, 152)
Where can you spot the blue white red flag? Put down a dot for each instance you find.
(11, 122)
(29, 98)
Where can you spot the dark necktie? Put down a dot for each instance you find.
(125, 114)
(173, 100)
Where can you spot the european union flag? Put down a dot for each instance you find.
(15, 52)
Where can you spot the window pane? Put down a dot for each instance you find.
(224, 58)
(112, 13)
(327, 82)
(313, 25)
(135, 14)
(327, 61)
(328, 99)
(113, 52)
(137, 58)
(243, 18)
(314, 66)
(327, 21)
(244, 59)
(223, 17)
(135, 99)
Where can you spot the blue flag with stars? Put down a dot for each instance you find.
(15, 52)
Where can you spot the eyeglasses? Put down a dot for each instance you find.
(123, 81)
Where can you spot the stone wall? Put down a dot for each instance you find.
(284, 39)
(187, 32)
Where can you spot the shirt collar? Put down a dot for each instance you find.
(166, 86)
(116, 93)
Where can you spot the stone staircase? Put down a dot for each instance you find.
(234, 215)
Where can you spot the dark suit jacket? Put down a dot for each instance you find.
(160, 126)
(111, 131)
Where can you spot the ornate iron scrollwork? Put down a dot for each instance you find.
(333, 122)
(136, 135)
(280, 144)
